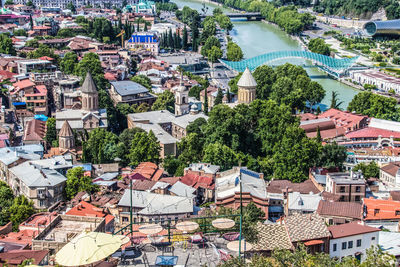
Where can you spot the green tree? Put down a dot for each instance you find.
(374, 105)
(319, 46)
(51, 132)
(20, 32)
(6, 45)
(332, 155)
(100, 146)
(370, 170)
(78, 182)
(9, 2)
(142, 80)
(6, 200)
(144, 147)
(217, 11)
(313, 93)
(210, 42)
(21, 209)
(224, 22)
(234, 52)
(185, 44)
(205, 104)
(165, 101)
(41, 51)
(69, 63)
(220, 155)
(195, 92)
(71, 7)
(335, 103)
(214, 54)
(209, 28)
(294, 156)
(218, 99)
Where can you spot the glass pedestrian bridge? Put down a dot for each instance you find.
(333, 66)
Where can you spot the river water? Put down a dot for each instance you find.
(257, 38)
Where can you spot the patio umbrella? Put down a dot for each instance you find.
(89, 247)
(187, 226)
(150, 229)
(223, 223)
(234, 246)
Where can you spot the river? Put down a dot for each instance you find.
(256, 38)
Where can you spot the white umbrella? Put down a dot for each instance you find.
(234, 246)
(187, 226)
(150, 229)
(223, 223)
(89, 247)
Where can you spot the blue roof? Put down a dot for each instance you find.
(86, 166)
(143, 38)
(41, 117)
(19, 103)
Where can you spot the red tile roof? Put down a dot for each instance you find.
(379, 209)
(342, 118)
(143, 185)
(197, 181)
(350, 229)
(149, 170)
(35, 130)
(341, 209)
(392, 168)
(23, 84)
(279, 186)
(16, 257)
(46, 58)
(88, 210)
(6, 75)
(370, 132)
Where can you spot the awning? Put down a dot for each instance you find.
(19, 103)
(313, 242)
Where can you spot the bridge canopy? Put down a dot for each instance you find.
(329, 64)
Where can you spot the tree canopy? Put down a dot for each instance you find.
(374, 105)
(165, 101)
(78, 182)
(318, 45)
(234, 52)
(144, 147)
(6, 45)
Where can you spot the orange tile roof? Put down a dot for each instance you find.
(379, 209)
(88, 210)
(23, 84)
(149, 170)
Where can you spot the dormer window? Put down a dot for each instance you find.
(376, 211)
(397, 212)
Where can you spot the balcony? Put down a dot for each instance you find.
(41, 195)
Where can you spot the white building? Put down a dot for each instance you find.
(381, 80)
(352, 239)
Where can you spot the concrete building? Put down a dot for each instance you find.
(31, 65)
(166, 127)
(129, 92)
(227, 189)
(154, 208)
(43, 186)
(382, 81)
(144, 40)
(348, 187)
(352, 239)
(63, 229)
(340, 212)
(246, 87)
(301, 203)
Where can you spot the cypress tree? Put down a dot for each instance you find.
(170, 39)
(205, 101)
(319, 138)
(218, 99)
(185, 39)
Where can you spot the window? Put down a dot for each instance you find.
(334, 247)
(342, 189)
(125, 219)
(373, 238)
(350, 244)
(344, 245)
(397, 212)
(41, 203)
(358, 242)
(341, 198)
(358, 189)
(357, 198)
(376, 211)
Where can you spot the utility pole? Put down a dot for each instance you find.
(241, 212)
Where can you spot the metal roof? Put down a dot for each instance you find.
(125, 88)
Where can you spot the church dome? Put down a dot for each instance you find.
(247, 80)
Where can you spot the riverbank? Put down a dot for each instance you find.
(256, 38)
